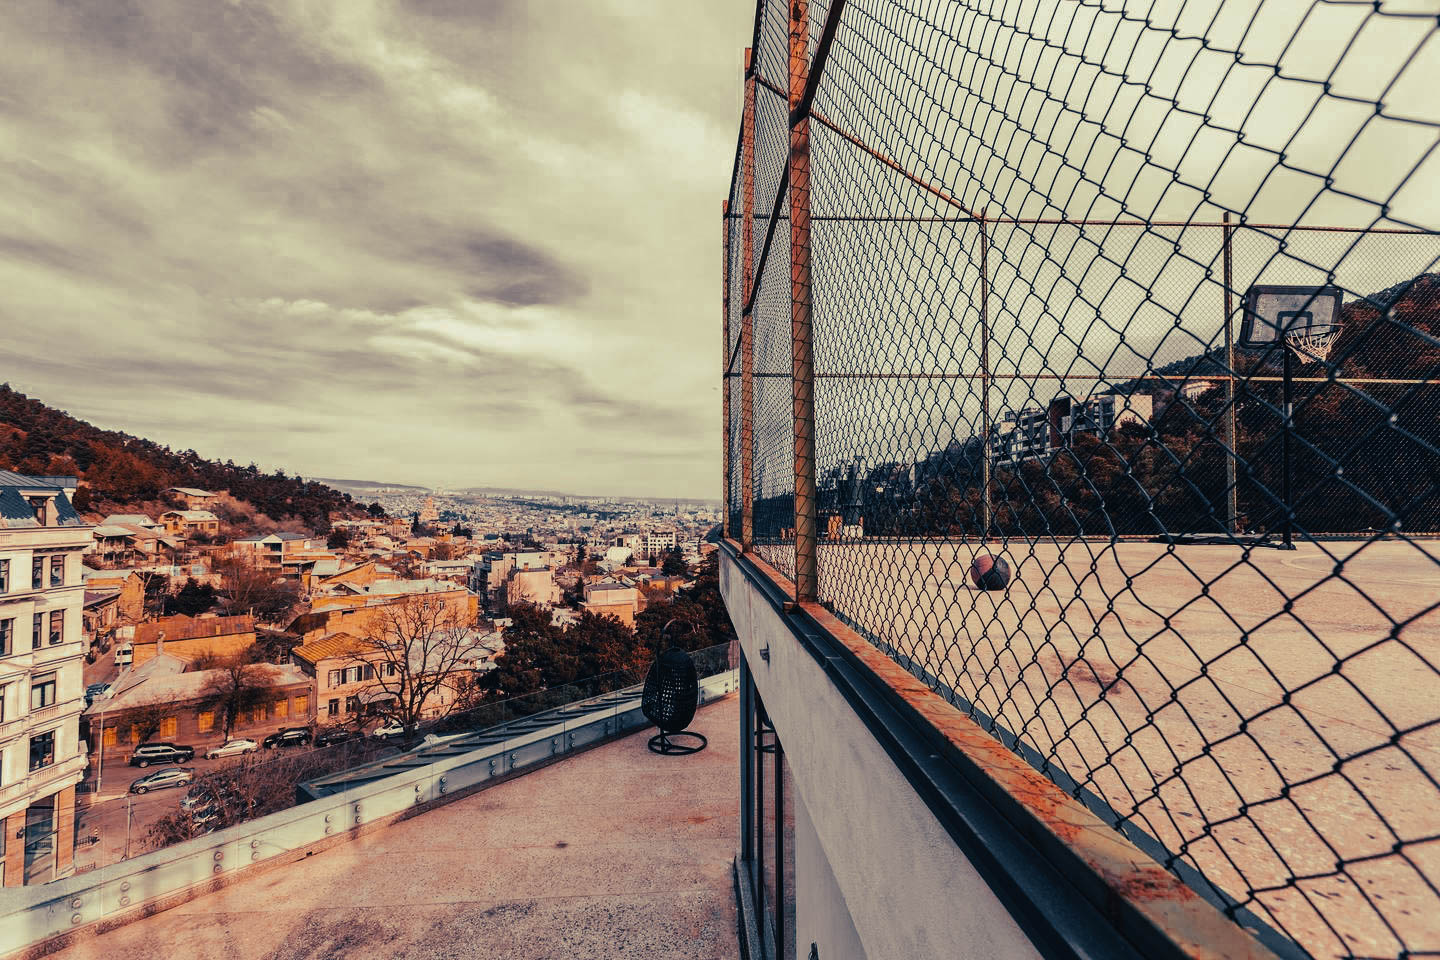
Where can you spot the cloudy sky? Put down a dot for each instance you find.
(440, 241)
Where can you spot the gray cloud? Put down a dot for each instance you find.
(457, 241)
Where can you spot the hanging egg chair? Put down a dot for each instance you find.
(672, 692)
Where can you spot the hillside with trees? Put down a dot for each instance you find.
(1365, 447)
(122, 472)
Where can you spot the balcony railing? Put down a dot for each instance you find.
(36, 781)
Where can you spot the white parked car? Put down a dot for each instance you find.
(392, 729)
(231, 748)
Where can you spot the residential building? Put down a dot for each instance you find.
(112, 596)
(190, 637)
(194, 498)
(164, 699)
(350, 674)
(190, 522)
(351, 607)
(657, 544)
(273, 551)
(612, 600)
(42, 596)
(533, 586)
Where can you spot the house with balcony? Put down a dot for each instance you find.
(276, 551)
(186, 523)
(42, 597)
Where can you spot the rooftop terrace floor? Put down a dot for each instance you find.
(615, 852)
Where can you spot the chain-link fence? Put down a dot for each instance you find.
(1143, 303)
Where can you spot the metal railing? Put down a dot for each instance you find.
(993, 284)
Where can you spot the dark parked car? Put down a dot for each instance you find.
(160, 779)
(292, 737)
(96, 691)
(334, 735)
(148, 753)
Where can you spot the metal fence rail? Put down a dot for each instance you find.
(993, 287)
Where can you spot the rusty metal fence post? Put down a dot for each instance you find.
(725, 369)
(747, 320)
(802, 341)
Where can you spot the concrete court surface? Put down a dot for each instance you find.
(612, 853)
(1158, 677)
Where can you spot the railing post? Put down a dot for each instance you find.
(747, 320)
(801, 332)
(725, 371)
(985, 450)
(1232, 510)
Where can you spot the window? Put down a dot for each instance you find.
(332, 708)
(37, 572)
(109, 737)
(206, 721)
(37, 627)
(390, 670)
(57, 571)
(352, 704)
(169, 727)
(4, 576)
(257, 713)
(282, 709)
(335, 676)
(7, 636)
(369, 672)
(4, 691)
(57, 626)
(42, 750)
(302, 705)
(42, 691)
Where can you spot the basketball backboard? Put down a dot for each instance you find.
(1275, 311)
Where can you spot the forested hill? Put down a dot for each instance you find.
(120, 469)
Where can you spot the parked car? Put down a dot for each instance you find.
(392, 729)
(334, 735)
(96, 691)
(209, 794)
(202, 816)
(289, 737)
(148, 753)
(160, 779)
(231, 748)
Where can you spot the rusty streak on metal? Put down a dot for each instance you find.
(801, 331)
(747, 320)
(724, 360)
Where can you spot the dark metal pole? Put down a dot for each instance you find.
(985, 518)
(780, 844)
(1285, 463)
(801, 331)
(1232, 491)
(747, 764)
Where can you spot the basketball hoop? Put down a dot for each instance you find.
(1312, 343)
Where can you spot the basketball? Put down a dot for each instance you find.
(989, 572)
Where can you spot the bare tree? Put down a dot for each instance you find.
(248, 588)
(236, 684)
(421, 648)
(147, 716)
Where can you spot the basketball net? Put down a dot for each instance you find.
(1312, 343)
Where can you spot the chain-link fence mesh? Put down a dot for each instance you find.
(1041, 235)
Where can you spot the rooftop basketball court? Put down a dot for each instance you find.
(1185, 689)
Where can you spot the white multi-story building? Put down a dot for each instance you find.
(42, 595)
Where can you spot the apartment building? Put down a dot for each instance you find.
(42, 596)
